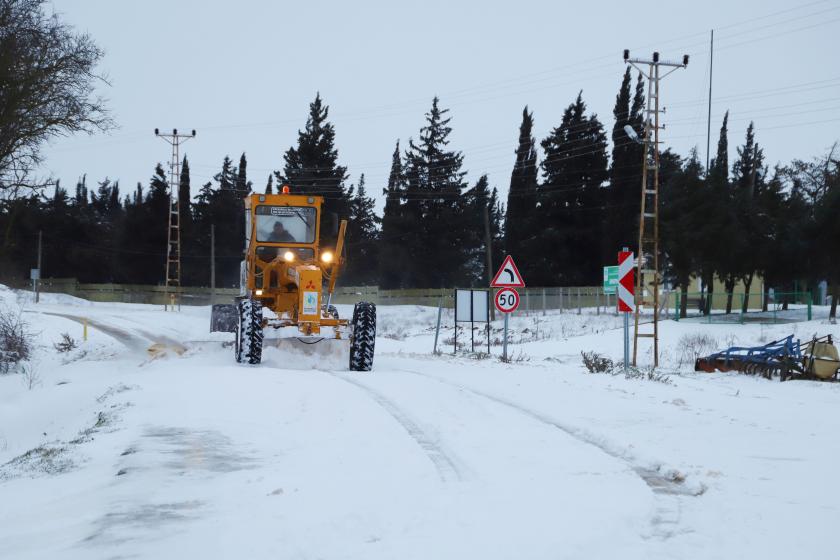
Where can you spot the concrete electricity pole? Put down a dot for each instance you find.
(212, 264)
(173, 238)
(488, 246)
(647, 264)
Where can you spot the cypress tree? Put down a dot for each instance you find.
(243, 186)
(184, 195)
(269, 185)
(625, 171)
(394, 261)
(570, 199)
(747, 200)
(717, 226)
(522, 197)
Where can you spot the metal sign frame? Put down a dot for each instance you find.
(474, 316)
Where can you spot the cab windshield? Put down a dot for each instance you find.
(285, 224)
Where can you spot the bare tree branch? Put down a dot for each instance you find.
(47, 79)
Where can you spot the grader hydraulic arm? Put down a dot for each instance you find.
(339, 248)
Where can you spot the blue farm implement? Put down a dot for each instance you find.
(787, 358)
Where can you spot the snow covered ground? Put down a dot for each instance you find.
(116, 452)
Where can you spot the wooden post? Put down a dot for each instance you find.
(212, 264)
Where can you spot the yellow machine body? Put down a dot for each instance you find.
(285, 267)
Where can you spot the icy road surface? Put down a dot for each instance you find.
(119, 453)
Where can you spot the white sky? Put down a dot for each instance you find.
(243, 73)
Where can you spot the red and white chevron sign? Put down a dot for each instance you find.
(626, 281)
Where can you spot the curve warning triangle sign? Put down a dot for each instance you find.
(508, 276)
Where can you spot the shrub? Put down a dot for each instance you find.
(596, 363)
(15, 340)
(66, 344)
(694, 346)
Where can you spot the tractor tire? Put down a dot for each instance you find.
(363, 337)
(249, 332)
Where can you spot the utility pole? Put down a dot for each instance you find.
(173, 237)
(38, 280)
(647, 264)
(489, 252)
(212, 264)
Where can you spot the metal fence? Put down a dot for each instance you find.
(533, 300)
(779, 307)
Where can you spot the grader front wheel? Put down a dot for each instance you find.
(249, 332)
(363, 338)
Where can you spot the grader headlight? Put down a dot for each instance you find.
(326, 257)
(289, 256)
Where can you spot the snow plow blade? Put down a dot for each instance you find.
(223, 318)
(311, 352)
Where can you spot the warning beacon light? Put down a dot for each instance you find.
(286, 189)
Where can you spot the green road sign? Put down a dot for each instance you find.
(610, 279)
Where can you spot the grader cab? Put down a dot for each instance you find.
(287, 284)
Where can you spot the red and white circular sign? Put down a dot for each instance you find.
(507, 300)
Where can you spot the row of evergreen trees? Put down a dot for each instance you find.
(568, 211)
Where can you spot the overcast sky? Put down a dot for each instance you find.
(243, 73)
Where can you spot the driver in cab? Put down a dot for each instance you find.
(280, 234)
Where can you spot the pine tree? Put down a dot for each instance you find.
(681, 224)
(394, 262)
(228, 176)
(434, 185)
(312, 167)
(223, 207)
(361, 237)
(481, 203)
(522, 197)
(570, 200)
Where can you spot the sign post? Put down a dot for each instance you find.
(507, 298)
(626, 298)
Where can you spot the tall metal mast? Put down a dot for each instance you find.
(647, 261)
(173, 236)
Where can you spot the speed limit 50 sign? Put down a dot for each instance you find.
(507, 300)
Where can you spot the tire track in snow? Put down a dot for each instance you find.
(658, 482)
(668, 492)
(445, 466)
(128, 339)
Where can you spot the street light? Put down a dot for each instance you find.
(631, 133)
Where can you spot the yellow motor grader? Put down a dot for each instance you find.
(287, 283)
